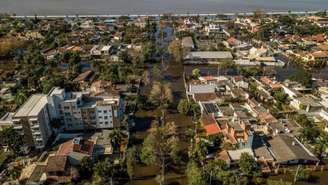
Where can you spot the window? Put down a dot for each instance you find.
(106, 122)
(100, 123)
(105, 117)
(105, 111)
(100, 117)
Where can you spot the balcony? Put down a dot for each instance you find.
(18, 127)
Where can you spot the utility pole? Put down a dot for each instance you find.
(295, 177)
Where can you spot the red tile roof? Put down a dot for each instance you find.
(210, 125)
(212, 129)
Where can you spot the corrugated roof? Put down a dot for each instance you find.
(209, 55)
(32, 106)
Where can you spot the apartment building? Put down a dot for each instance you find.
(32, 121)
(82, 111)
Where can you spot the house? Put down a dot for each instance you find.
(188, 43)
(213, 29)
(210, 108)
(289, 150)
(98, 50)
(99, 87)
(76, 149)
(232, 41)
(84, 78)
(235, 155)
(317, 56)
(307, 104)
(33, 174)
(204, 97)
(207, 56)
(320, 21)
(58, 169)
(240, 82)
(274, 85)
(210, 125)
(201, 92)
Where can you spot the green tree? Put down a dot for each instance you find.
(102, 169)
(116, 137)
(196, 73)
(176, 50)
(183, 106)
(161, 96)
(321, 144)
(148, 150)
(9, 137)
(248, 165)
(86, 167)
(195, 175)
(131, 161)
(302, 76)
(21, 97)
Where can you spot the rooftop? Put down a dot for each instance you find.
(285, 148)
(56, 163)
(32, 106)
(209, 55)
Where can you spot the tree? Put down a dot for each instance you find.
(195, 175)
(131, 161)
(196, 73)
(309, 134)
(213, 169)
(302, 77)
(196, 111)
(247, 164)
(20, 97)
(86, 167)
(321, 144)
(280, 96)
(161, 146)
(302, 174)
(183, 106)
(9, 137)
(161, 96)
(102, 169)
(116, 137)
(176, 50)
(198, 151)
(216, 140)
(148, 151)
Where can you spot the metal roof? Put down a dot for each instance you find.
(32, 106)
(209, 55)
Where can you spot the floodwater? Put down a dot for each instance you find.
(64, 7)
